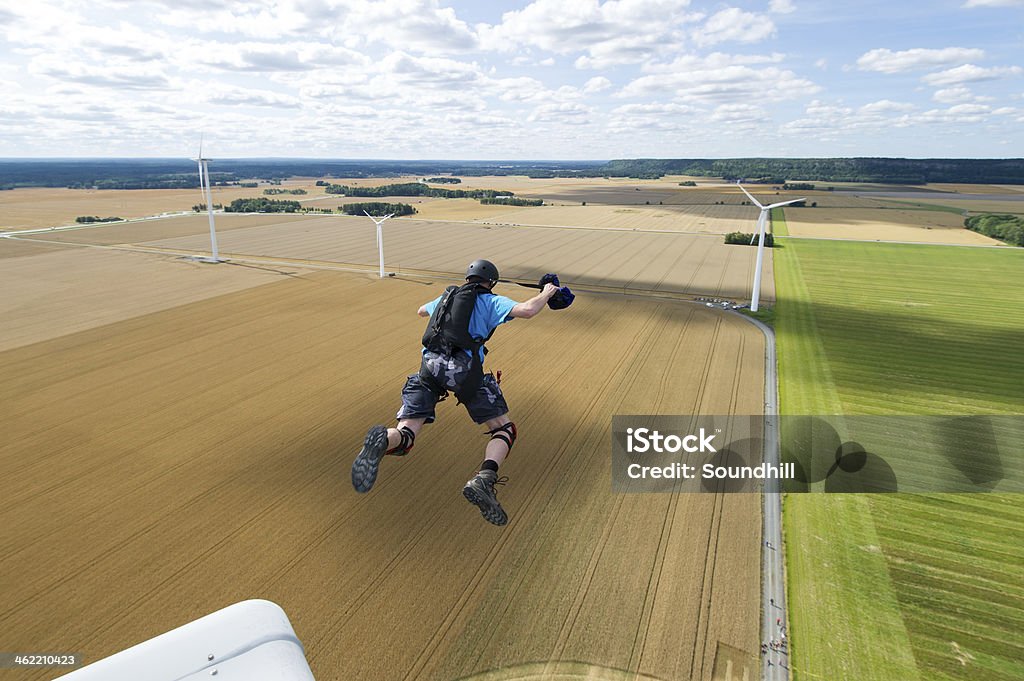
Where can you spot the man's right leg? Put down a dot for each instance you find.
(402, 437)
(418, 402)
(380, 442)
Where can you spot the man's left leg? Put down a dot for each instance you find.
(489, 409)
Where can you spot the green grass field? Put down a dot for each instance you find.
(778, 222)
(902, 586)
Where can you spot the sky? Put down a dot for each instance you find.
(541, 79)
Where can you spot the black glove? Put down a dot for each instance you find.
(549, 279)
(562, 299)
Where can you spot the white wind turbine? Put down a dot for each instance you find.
(380, 239)
(204, 187)
(761, 220)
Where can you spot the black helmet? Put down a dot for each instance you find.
(484, 269)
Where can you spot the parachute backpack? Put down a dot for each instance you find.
(448, 329)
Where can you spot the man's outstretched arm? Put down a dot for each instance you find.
(423, 311)
(534, 305)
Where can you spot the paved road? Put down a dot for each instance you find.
(774, 623)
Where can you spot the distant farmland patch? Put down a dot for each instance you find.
(877, 224)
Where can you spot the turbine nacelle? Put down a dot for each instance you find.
(768, 207)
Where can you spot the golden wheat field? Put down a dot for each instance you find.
(36, 207)
(894, 224)
(178, 436)
(664, 263)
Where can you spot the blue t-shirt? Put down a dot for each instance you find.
(489, 312)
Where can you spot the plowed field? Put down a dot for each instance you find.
(161, 466)
(625, 261)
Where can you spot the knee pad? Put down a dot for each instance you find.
(404, 447)
(505, 433)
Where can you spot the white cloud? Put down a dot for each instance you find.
(259, 98)
(596, 84)
(960, 113)
(432, 71)
(969, 73)
(781, 6)
(733, 24)
(655, 109)
(611, 33)
(418, 25)
(719, 78)
(520, 89)
(115, 76)
(822, 63)
(953, 95)
(569, 113)
(883, 106)
(993, 3)
(886, 61)
(738, 113)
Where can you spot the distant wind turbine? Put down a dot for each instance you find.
(762, 218)
(204, 187)
(380, 239)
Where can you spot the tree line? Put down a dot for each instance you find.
(744, 239)
(885, 170)
(415, 189)
(88, 219)
(181, 173)
(265, 205)
(511, 201)
(262, 205)
(1008, 228)
(377, 208)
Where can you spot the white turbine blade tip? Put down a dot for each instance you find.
(784, 203)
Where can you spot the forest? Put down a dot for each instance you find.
(181, 173)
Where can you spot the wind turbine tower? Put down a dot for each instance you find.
(761, 220)
(204, 187)
(380, 238)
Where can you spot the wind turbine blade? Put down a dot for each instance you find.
(784, 203)
(200, 145)
(760, 226)
(748, 195)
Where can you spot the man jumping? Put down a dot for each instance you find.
(462, 319)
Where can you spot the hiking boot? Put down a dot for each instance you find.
(364, 468)
(480, 492)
